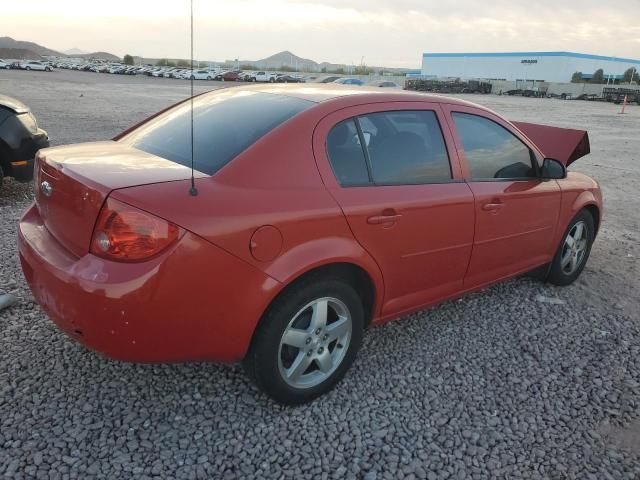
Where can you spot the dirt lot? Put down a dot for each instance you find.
(498, 384)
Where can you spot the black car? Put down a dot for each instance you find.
(288, 79)
(20, 139)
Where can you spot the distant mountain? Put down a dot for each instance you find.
(23, 49)
(100, 56)
(8, 42)
(74, 51)
(281, 59)
(287, 58)
(294, 62)
(18, 54)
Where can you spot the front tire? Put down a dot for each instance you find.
(306, 341)
(574, 250)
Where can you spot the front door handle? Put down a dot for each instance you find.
(388, 217)
(492, 206)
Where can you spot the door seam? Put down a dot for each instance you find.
(473, 241)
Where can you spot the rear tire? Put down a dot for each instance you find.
(307, 340)
(574, 250)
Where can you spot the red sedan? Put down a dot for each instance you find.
(314, 212)
(230, 77)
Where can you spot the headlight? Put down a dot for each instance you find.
(29, 121)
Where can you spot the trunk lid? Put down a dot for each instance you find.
(564, 144)
(72, 182)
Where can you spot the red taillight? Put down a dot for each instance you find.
(127, 234)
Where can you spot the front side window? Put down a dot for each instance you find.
(225, 123)
(493, 152)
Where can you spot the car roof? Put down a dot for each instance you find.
(328, 92)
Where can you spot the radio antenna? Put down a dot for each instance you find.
(193, 190)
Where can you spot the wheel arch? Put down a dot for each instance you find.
(593, 209)
(587, 201)
(364, 283)
(368, 284)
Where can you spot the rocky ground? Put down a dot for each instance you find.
(522, 380)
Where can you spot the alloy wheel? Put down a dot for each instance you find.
(574, 248)
(314, 343)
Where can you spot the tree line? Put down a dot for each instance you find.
(599, 77)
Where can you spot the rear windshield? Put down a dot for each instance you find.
(224, 124)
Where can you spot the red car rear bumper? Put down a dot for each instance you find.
(183, 305)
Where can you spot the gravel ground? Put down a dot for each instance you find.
(522, 380)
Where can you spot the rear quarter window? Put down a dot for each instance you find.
(225, 123)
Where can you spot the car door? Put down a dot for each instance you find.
(516, 211)
(393, 169)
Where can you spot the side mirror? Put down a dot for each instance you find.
(553, 169)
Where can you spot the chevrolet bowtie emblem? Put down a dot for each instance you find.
(46, 188)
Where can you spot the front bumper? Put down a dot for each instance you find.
(184, 305)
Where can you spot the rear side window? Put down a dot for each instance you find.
(493, 152)
(405, 147)
(224, 124)
(399, 148)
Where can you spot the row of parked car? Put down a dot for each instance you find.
(25, 65)
(182, 72)
(213, 73)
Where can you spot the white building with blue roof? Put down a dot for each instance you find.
(539, 66)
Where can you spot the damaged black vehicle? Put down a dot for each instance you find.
(20, 139)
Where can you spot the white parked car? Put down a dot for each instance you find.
(4, 64)
(115, 68)
(264, 77)
(35, 65)
(201, 75)
(180, 73)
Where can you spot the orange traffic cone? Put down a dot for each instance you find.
(624, 104)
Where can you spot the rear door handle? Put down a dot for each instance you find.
(379, 219)
(384, 219)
